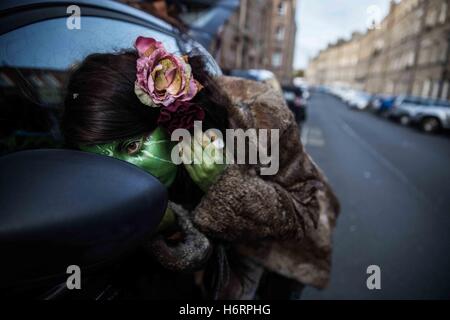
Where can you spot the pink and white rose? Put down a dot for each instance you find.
(162, 78)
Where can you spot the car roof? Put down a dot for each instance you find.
(20, 13)
(107, 6)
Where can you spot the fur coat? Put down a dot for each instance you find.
(282, 222)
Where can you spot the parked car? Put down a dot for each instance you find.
(32, 85)
(433, 117)
(37, 52)
(339, 92)
(358, 100)
(321, 89)
(262, 75)
(305, 89)
(381, 104)
(296, 101)
(405, 107)
(346, 95)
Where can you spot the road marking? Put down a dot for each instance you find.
(386, 163)
(304, 135)
(312, 136)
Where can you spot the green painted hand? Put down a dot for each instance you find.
(203, 160)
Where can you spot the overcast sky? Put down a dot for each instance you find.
(322, 21)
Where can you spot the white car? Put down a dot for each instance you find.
(339, 92)
(358, 100)
(348, 95)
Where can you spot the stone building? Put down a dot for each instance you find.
(432, 72)
(260, 35)
(241, 43)
(338, 63)
(280, 38)
(407, 53)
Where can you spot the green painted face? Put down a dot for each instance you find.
(150, 153)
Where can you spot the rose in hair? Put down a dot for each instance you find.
(162, 78)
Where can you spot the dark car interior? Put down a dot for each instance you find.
(295, 101)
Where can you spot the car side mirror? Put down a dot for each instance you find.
(65, 207)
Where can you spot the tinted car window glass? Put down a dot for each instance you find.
(442, 103)
(34, 64)
(196, 49)
(51, 45)
(410, 100)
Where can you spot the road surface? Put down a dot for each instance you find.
(393, 183)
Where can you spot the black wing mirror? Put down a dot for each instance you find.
(64, 207)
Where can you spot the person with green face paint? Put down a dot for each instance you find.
(126, 105)
(113, 119)
(152, 153)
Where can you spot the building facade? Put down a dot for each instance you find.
(259, 35)
(407, 53)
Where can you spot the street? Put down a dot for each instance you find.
(393, 183)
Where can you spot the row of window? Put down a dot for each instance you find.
(404, 61)
(429, 88)
(434, 89)
(432, 52)
(406, 29)
(437, 15)
(429, 53)
(277, 57)
(282, 8)
(412, 25)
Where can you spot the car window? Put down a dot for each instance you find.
(34, 65)
(442, 103)
(410, 101)
(425, 102)
(399, 100)
(51, 45)
(416, 101)
(195, 48)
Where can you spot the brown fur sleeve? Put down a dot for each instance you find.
(242, 205)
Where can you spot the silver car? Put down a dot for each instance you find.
(405, 108)
(433, 117)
